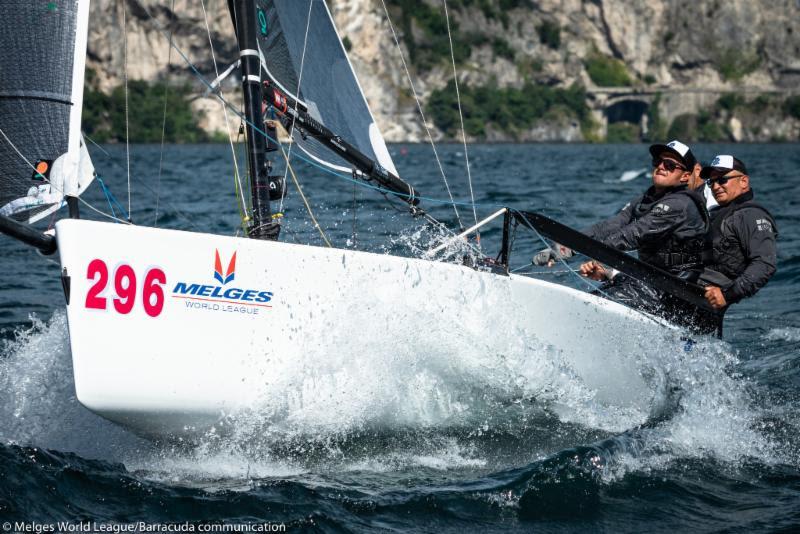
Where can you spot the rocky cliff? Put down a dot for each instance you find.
(708, 69)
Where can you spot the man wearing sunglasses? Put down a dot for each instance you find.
(699, 184)
(741, 255)
(667, 225)
(667, 219)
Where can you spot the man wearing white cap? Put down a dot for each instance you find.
(667, 225)
(741, 256)
(698, 184)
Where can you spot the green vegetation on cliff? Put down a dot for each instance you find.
(622, 132)
(700, 127)
(104, 114)
(607, 71)
(506, 109)
(734, 63)
(424, 30)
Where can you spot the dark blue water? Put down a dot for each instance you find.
(726, 458)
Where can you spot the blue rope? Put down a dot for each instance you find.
(111, 198)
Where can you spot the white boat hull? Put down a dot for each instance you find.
(206, 349)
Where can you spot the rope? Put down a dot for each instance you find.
(461, 116)
(584, 280)
(110, 198)
(237, 175)
(127, 121)
(177, 211)
(305, 201)
(163, 123)
(296, 102)
(52, 185)
(421, 113)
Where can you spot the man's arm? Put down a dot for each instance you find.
(756, 233)
(549, 256)
(655, 225)
(613, 224)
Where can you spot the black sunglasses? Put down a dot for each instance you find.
(669, 165)
(722, 180)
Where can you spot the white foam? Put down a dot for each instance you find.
(325, 408)
(37, 397)
(786, 333)
(627, 176)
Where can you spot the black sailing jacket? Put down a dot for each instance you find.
(742, 246)
(668, 229)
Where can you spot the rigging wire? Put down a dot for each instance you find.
(113, 161)
(52, 185)
(197, 74)
(310, 161)
(237, 175)
(296, 102)
(164, 120)
(461, 116)
(127, 121)
(305, 200)
(422, 114)
(592, 287)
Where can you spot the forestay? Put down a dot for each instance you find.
(42, 156)
(328, 86)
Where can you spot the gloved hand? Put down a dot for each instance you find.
(549, 256)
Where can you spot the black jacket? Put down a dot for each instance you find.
(668, 229)
(741, 245)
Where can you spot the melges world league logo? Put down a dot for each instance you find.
(221, 296)
(229, 273)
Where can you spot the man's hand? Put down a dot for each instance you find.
(715, 297)
(549, 256)
(594, 270)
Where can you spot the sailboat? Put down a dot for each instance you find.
(172, 333)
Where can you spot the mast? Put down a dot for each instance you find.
(245, 19)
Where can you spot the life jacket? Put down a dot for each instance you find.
(677, 254)
(723, 251)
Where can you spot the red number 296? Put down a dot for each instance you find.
(125, 288)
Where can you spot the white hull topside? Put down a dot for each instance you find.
(182, 351)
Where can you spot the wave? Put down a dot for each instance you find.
(421, 409)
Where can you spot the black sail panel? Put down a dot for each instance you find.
(318, 74)
(38, 41)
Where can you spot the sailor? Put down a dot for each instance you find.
(696, 183)
(741, 254)
(667, 226)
